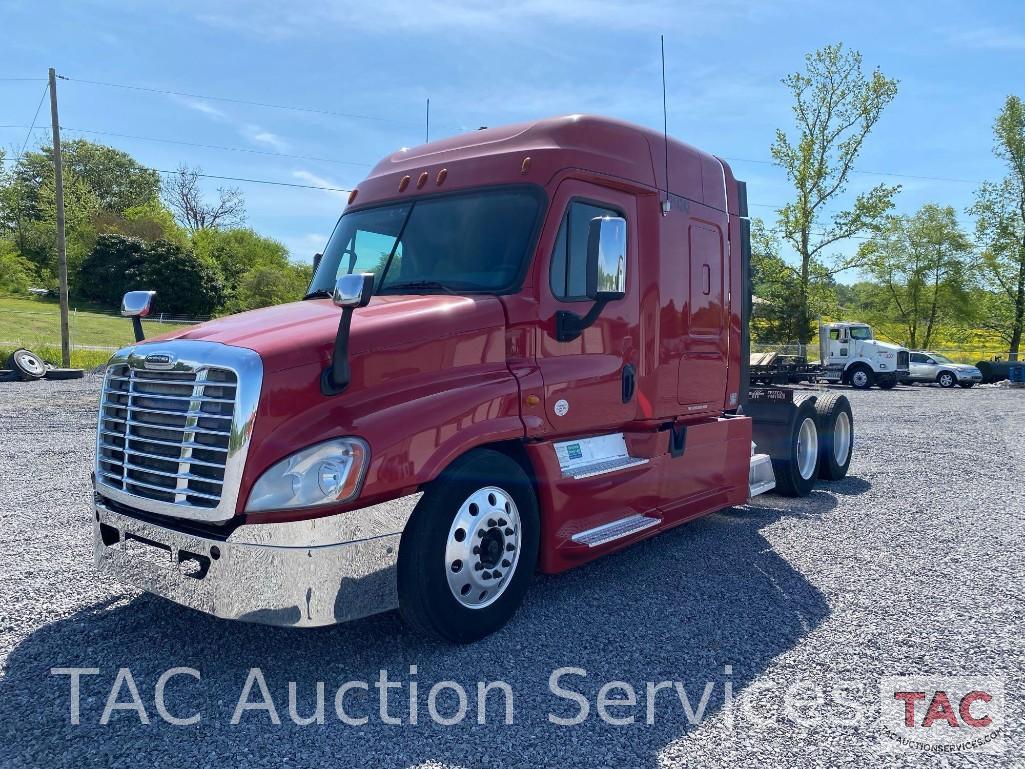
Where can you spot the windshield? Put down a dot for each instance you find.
(467, 243)
(940, 358)
(861, 332)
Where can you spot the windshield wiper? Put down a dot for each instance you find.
(419, 285)
(320, 293)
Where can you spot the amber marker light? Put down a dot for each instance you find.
(352, 196)
(403, 184)
(442, 175)
(421, 181)
(525, 166)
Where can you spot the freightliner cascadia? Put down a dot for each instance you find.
(523, 348)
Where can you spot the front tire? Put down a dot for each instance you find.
(470, 548)
(946, 379)
(861, 377)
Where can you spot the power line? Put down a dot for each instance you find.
(22, 79)
(32, 125)
(232, 100)
(255, 181)
(216, 147)
(867, 172)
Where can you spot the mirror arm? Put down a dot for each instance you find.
(569, 325)
(137, 328)
(336, 376)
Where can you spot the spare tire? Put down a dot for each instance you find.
(6, 375)
(836, 435)
(27, 364)
(64, 373)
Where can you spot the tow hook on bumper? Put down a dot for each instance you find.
(302, 574)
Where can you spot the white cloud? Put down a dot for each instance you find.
(261, 136)
(333, 188)
(203, 107)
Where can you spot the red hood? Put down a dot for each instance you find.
(299, 333)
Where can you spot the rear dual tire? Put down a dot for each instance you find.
(796, 469)
(836, 435)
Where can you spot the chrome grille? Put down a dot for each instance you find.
(166, 435)
(903, 360)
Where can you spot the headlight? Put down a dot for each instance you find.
(330, 472)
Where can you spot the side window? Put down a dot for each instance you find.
(834, 334)
(568, 274)
(917, 358)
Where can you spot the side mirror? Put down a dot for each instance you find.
(351, 292)
(136, 305)
(606, 258)
(606, 274)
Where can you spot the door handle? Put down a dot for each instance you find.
(629, 382)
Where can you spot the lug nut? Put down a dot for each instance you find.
(502, 522)
(486, 575)
(510, 547)
(492, 523)
(478, 566)
(506, 563)
(476, 550)
(480, 533)
(496, 574)
(508, 532)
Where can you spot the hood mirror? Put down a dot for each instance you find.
(137, 305)
(351, 292)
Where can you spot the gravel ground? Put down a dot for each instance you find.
(912, 565)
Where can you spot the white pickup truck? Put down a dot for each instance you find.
(851, 355)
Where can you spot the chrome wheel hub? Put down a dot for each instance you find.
(483, 547)
(860, 378)
(807, 448)
(842, 438)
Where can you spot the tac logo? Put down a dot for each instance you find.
(941, 714)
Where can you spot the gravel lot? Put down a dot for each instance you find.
(913, 564)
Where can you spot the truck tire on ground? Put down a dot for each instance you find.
(861, 377)
(946, 379)
(836, 435)
(64, 373)
(967, 385)
(27, 364)
(469, 549)
(796, 469)
(6, 375)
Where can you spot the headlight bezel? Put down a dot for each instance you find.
(302, 471)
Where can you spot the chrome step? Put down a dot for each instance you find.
(760, 478)
(604, 466)
(608, 532)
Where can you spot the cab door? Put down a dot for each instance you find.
(590, 382)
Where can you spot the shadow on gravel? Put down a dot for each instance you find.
(850, 486)
(679, 607)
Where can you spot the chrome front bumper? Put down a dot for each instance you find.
(299, 574)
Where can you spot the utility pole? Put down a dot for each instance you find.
(62, 250)
(427, 133)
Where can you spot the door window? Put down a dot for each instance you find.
(569, 257)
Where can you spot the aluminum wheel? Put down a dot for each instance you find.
(947, 379)
(807, 448)
(483, 547)
(842, 438)
(859, 378)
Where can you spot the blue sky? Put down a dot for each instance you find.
(494, 62)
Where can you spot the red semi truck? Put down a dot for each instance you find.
(523, 348)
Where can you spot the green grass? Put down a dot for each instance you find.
(95, 331)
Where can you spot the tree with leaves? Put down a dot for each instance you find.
(923, 263)
(999, 209)
(183, 195)
(835, 107)
(777, 285)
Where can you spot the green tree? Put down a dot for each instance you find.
(777, 288)
(265, 286)
(999, 209)
(238, 253)
(115, 265)
(185, 284)
(17, 274)
(835, 108)
(151, 221)
(923, 264)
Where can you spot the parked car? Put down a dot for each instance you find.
(933, 367)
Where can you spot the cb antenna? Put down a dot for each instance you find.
(665, 123)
